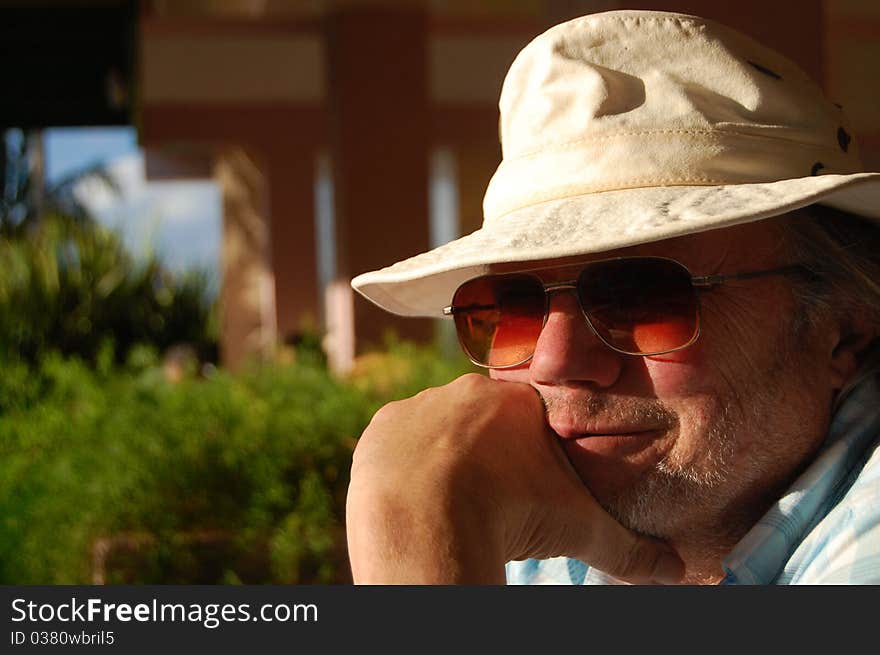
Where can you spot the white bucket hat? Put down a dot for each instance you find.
(629, 127)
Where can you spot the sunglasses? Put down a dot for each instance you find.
(636, 306)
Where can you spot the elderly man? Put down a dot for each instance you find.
(677, 303)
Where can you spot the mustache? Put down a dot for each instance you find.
(630, 410)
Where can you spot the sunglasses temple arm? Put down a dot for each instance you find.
(707, 281)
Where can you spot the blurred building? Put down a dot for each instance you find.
(346, 135)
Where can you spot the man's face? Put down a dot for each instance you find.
(701, 439)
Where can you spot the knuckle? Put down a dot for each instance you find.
(387, 412)
(384, 416)
(362, 446)
(428, 394)
(357, 458)
(470, 382)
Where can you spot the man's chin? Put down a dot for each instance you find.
(637, 487)
(608, 465)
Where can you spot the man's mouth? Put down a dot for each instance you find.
(610, 451)
(614, 433)
(601, 438)
(615, 441)
(576, 433)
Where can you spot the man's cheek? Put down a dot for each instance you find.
(678, 373)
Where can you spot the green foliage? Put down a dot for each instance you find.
(109, 470)
(71, 287)
(224, 479)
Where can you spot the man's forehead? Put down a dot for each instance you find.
(708, 252)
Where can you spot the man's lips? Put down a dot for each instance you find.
(612, 442)
(605, 439)
(588, 432)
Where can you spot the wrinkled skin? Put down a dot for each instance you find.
(585, 452)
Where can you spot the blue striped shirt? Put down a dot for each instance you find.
(825, 529)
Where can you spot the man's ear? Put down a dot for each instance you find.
(849, 349)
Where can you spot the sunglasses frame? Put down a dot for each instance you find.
(699, 284)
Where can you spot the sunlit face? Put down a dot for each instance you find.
(701, 439)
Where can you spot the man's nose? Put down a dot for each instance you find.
(568, 352)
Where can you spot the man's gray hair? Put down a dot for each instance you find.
(843, 250)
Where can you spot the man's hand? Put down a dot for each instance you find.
(450, 484)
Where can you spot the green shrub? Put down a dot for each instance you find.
(230, 478)
(70, 286)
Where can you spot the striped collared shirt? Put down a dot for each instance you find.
(825, 529)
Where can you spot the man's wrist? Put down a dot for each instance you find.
(448, 542)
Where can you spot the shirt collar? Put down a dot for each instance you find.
(762, 553)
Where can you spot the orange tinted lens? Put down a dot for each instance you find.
(641, 306)
(499, 318)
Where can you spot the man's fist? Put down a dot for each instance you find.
(450, 484)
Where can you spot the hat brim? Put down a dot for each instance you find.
(581, 225)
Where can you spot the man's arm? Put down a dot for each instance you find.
(450, 484)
